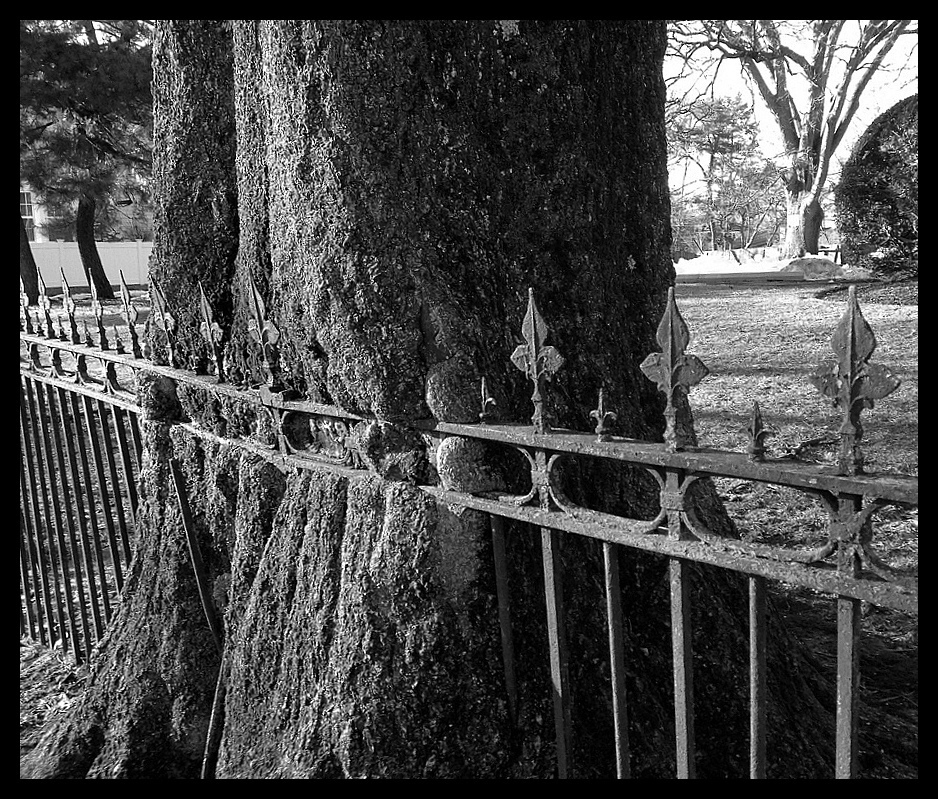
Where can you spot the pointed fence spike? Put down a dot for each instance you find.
(266, 334)
(757, 434)
(536, 359)
(487, 414)
(45, 305)
(212, 333)
(852, 383)
(603, 418)
(130, 316)
(671, 369)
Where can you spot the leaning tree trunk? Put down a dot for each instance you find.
(804, 213)
(29, 273)
(400, 186)
(88, 249)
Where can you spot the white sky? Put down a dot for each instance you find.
(896, 81)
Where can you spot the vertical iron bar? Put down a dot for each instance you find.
(128, 470)
(115, 485)
(848, 658)
(136, 439)
(617, 659)
(195, 554)
(681, 642)
(46, 424)
(34, 524)
(92, 428)
(59, 429)
(30, 538)
(43, 526)
(757, 678)
(683, 668)
(550, 545)
(25, 581)
(92, 536)
(504, 615)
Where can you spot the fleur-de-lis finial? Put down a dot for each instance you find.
(46, 305)
(603, 419)
(757, 434)
(853, 383)
(671, 369)
(266, 334)
(212, 334)
(163, 319)
(24, 303)
(130, 316)
(488, 405)
(98, 312)
(536, 359)
(69, 304)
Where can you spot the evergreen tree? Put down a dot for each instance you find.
(85, 117)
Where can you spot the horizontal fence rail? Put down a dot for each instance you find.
(72, 380)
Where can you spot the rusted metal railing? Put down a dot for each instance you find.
(61, 555)
(80, 452)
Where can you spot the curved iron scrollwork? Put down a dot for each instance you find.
(549, 495)
(320, 437)
(849, 531)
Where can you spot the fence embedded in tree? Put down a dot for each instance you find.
(78, 409)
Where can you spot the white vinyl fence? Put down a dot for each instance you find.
(129, 257)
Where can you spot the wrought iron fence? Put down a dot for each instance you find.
(70, 560)
(80, 453)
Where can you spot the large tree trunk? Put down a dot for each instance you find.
(804, 220)
(29, 273)
(400, 186)
(804, 213)
(88, 249)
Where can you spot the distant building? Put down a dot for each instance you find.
(33, 215)
(130, 218)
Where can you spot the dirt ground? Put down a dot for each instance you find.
(49, 684)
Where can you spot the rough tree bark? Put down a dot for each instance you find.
(399, 187)
(804, 213)
(29, 273)
(88, 250)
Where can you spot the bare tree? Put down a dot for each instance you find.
(811, 75)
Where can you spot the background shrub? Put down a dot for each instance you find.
(877, 197)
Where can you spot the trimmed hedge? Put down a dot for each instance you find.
(877, 197)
